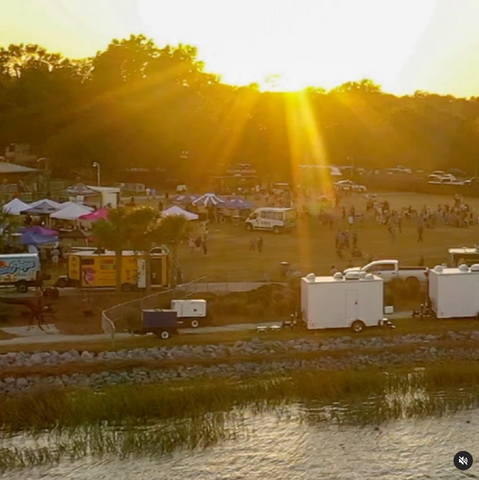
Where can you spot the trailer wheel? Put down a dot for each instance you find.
(194, 323)
(22, 287)
(357, 326)
(164, 335)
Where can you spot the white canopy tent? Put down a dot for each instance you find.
(177, 211)
(209, 199)
(69, 204)
(15, 207)
(72, 212)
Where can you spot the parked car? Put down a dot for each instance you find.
(349, 186)
(389, 270)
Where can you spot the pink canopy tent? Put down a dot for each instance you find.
(100, 214)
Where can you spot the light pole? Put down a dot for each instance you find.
(97, 165)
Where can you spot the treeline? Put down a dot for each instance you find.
(138, 105)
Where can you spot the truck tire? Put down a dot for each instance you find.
(413, 284)
(164, 335)
(62, 283)
(127, 288)
(194, 323)
(22, 287)
(358, 326)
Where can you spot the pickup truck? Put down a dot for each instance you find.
(389, 270)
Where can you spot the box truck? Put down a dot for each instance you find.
(20, 269)
(354, 300)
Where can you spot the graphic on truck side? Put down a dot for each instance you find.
(17, 265)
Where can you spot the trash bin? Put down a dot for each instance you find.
(284, 268)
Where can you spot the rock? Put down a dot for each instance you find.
(22, 382)
(87, 356)
(36, 358)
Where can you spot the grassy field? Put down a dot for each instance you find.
(311, 248)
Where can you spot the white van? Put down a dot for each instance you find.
(276, 220)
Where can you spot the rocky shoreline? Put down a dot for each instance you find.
(425, 351)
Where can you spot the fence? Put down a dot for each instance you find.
(124, 313)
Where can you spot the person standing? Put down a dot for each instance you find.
(148, 191)
(204, 244)
(260, 244)
(55, 254)
(355, 239)
(420, 230)
(333, 270)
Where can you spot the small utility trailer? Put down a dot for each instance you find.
(163, 323)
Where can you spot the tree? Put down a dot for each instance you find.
(170, 231)
(142, 223)
(114, 234)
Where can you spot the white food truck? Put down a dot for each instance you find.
(454, 292)
(354, 300)
(276, 220)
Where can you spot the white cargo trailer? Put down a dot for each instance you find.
(354, 300)
(191, 311)
(454, 292)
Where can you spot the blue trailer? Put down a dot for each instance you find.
(163, 323)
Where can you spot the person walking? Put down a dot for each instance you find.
(252, 244)
(260, 244)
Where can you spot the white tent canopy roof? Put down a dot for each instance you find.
(15, 207)
(68, 204)
(175, 210)
(72, 212)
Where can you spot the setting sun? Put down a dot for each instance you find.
(285, 45)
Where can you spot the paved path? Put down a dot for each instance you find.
(52, 335)
(35, 335)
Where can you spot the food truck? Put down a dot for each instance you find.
(89, 269)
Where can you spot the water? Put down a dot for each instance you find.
(273, 447)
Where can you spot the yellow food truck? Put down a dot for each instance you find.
(88, 269)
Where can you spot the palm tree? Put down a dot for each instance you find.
(114, 234)
(141, 224)
(170, 231)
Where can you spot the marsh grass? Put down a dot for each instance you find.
(146, 421)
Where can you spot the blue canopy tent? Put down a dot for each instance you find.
(238, 204)
(186, 199)
(32, 238)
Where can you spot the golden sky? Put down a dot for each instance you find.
(404, 45)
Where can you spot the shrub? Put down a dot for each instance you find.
(133, 319)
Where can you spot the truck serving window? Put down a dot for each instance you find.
(88, 261)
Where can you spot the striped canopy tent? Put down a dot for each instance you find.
(80, 189)
(209, 200)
